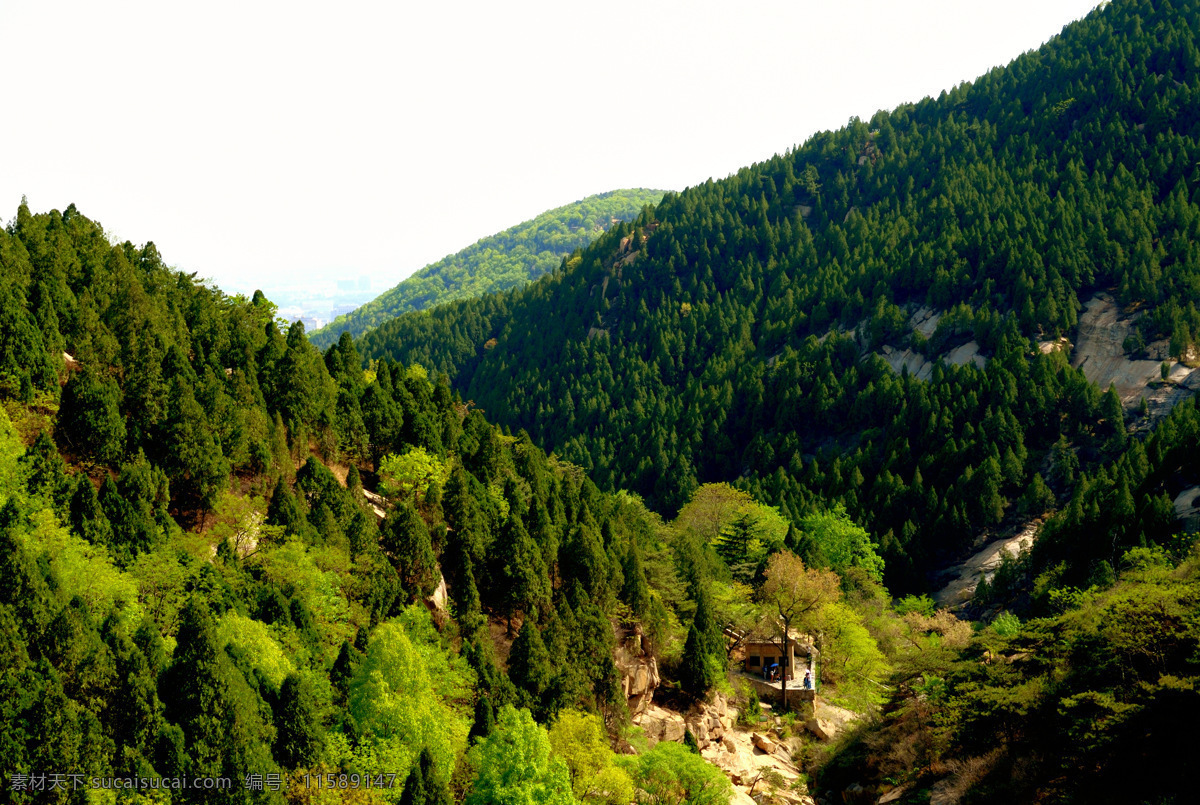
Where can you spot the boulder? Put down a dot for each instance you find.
(893, 796)
(740, 797)
(437, 601)
(660, 725)
(763, 744)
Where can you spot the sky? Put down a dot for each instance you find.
(272, 144)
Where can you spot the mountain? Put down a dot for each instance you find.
(505, 260)
(225, 554)
(197, 583)
(756, 329)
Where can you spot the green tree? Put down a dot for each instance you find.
(299, 735)
(703, 662)
(671, 774)
(406, 539)
(515, 765)
(581, 741)
(842, 542)
(194, 458)
(90, 421)
(220, 713)
(395, 700)
(529, 665)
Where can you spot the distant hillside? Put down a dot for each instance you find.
(504, 260)
(698, 333)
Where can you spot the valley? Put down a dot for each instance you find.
(865, 474)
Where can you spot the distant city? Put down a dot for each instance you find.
(318, 302)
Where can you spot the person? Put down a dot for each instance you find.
(808, 680)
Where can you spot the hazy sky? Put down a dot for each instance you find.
(263, 143)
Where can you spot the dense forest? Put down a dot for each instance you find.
(508, 259)
(195, 584)
(728, 332)
(356, 574)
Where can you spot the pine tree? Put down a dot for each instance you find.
(299, 737)
(285, 510)
(703, 653)
(635, 592)
(406, 539)
(90, 421)
(342, 672)
(87, 516)
(193, 457)
(46, 473)
(523, 583)
(529, 665)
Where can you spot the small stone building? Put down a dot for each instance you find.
(762, 656)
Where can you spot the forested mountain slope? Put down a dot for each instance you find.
(505, 260)
(189, 589)
(701, 333)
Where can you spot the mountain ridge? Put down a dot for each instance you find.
(495, 263)
(1004, 202)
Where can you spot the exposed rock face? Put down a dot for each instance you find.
(741, 755)
(917, 364)
(1187, 506)
(966, 576)
(437, 601)
(639, 674)
(660, 725)
(378, 504)
(742, 759)
(967, 353)
(829, 721)
(1100, 353)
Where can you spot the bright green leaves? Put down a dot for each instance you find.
(839, 543)
(396, 704)
(515, 765)
(671, 774)
(410, 475)
(580, 740)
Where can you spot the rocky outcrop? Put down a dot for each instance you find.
(378, 504)
(742, 756)
(438, 601)
(830, 721)
(964, 578)
(659, 724)
(1187, 507)
(709, 722)
(1100, 353)
(639, 673)
(925, 322)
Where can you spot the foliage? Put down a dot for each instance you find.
(670, 774)
(580, 740)
(839, 544)
(1075, 700)
(411, 474)
(394, 700)
(515, 765)
(714, 330)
